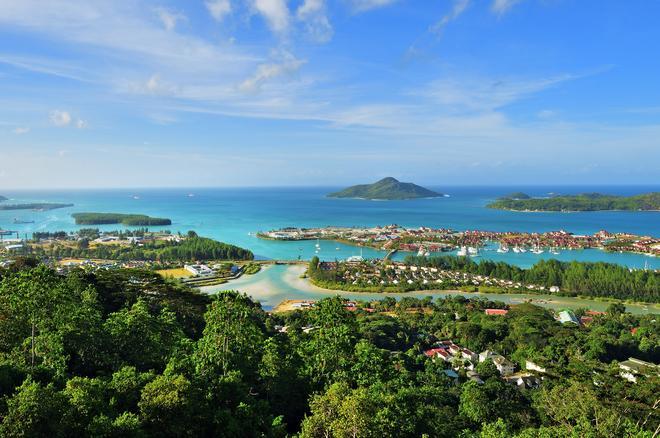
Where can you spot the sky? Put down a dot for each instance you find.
(134, 93)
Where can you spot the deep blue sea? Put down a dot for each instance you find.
(235, 214)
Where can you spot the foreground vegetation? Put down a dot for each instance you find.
(604, 280)
(126, 353)
(582, 202)
(134, 220)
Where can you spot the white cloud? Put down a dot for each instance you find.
(503, 6)
(275, 12)
(218, 8)
(81, 124)
(60, 118)
(169, 18)
(313, 14)
(457, 9)
(21, 130)
(266, 72)
(367, 5)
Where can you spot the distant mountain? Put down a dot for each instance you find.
(386, 189)
(581, 202)
(2, 198)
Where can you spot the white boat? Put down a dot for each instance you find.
(522, 249)
(420, 253)
(463, 252)
(473, 252)
(554, 251)
(516, 249)
(537, 251)
(503, 248)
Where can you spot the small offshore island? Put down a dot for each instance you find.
(583, 202)
(135, 220)
(387, 189)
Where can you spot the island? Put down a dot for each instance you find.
(2, 198)
(118, 218)
(581, 202)
(38, 206)
(516, 196)
(386, 189)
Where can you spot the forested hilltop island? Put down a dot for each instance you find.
(386, 189)
(140, 220)
(126, 353)
(581, 202)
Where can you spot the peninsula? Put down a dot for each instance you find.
(386, 189)
(581, 202)
(118, 218)
(39, 206)
(2, 198)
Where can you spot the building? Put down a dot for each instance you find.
(503, 365)
(199, 270)
(493, 312)
(633, 368)
(566, 316)
(531, 366)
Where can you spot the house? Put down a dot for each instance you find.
(566, 316)
(198, 270)
(494, 312)
(469, 354)
(524, 381)
(531, 366)
(475, 377)
(632, 368)
(441, 353)
(554, 289)
(504, 366)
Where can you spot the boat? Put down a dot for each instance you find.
(420, 253)
(522, 249)
(473, 252)
(463, 252)
(503, 248)
(18, 221)
(554, 251)
(516, 249)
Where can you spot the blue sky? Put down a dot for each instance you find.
(111, 93)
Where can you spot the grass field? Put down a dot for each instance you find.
(175, 273)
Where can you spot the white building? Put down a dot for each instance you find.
(199, 270)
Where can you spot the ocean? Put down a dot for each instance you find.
(234, 215)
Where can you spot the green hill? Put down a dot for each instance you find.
(516, 196)
(582, 202)
(117, 218)
(386, 189)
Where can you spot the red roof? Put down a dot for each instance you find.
(496, 311)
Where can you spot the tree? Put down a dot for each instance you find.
(35, 410)
(167, 406)
(232, 337)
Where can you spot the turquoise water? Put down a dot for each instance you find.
(274, 284)
(234, 215)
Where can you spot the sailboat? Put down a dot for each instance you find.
(516, 249)
(503, 248)
(554, 251)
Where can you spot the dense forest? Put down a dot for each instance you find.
(598, 279)
(189, 249)
(126, 353)
(581, 202)
(132, 220)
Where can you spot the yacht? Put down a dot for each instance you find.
(420, 253)
(522, 249)
(516, 249)
(473, 252)
(503, 248)
(554, 251)
(463, 252)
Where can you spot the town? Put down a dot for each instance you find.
(426, 240)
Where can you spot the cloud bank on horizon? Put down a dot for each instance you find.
(291, 92)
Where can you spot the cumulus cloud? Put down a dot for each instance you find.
(169, 18)
(275, 12)
(266, 72)
(60, 118)
(218, 8)
(457, 9)
(21, 130)
(313, 14)
(503, 6)
(367, 5)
